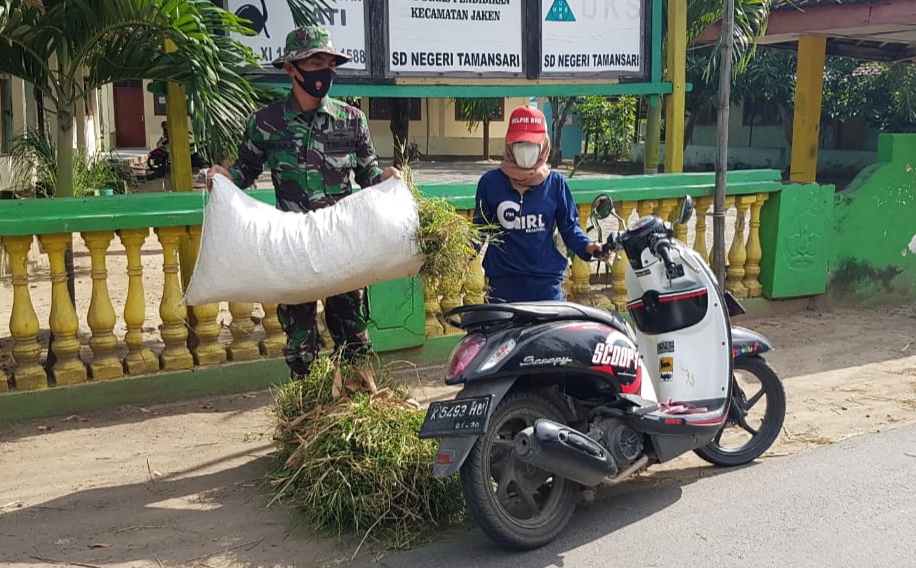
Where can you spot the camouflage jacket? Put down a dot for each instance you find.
(310, 153)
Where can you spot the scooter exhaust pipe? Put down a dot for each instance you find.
(564, 451)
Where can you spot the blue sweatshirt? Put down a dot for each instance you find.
(526, 246)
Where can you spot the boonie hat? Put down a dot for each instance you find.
(526, 124)
(307, 41)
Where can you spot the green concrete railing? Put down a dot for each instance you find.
(134, 252)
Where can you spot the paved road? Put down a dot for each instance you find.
(848, 505)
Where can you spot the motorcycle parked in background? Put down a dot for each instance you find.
(559, 397)
(159, 160)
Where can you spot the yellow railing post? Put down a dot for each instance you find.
(323, 329)
(699, 243)
(175, 355)
(618, 272)
(243, 346)
(431, 307)
(274, 339)
(681, 231)
(101, 317)
(140, 360)
(451, 299)
(737, 254)
(754, 252)
(581, 271)
(645, 207)
(475, 283)
(67, 368)
(27, 373)
(204, 333)
(666, 208)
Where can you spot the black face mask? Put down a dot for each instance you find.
(316, 83)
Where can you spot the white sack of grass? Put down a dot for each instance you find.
(253, 252)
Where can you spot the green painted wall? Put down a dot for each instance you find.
(796, 227)
(873, 248)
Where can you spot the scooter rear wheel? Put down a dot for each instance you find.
(516, 504)
(762, 435)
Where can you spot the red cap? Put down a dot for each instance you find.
(527, 124)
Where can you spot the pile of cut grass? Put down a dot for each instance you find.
(354, 465)
(447, 239)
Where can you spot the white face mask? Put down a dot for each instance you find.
(526, 153)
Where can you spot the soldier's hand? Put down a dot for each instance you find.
(391, 171)
(212, 171)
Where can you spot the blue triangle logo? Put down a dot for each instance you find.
(560, 12)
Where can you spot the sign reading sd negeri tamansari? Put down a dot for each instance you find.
(591, 37)
(455, 36)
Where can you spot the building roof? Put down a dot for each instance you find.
(802, 4)
(877, 30)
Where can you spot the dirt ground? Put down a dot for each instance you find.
(183, 484)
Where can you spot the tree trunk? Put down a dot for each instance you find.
(653, 143)
(40, 109)
(65, 108)
(400, 129)
(64, 186)
(486, 139)
(80, 116)
(688, 129)
(725, 74)
(64, 154)
(787, 117)
(558, 119)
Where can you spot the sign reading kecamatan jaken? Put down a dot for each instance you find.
(455, 36)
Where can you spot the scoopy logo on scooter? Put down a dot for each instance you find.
(615, 355)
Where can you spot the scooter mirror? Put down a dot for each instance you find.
(686, 210)
(602, 207)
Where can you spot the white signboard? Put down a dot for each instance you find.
(272, 20)
(448, 36)
(591, 36)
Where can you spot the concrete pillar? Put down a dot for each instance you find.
(809, 93)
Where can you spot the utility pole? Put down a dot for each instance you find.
(725, 77)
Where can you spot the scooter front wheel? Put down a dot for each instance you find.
(755, 417)
(516, 504)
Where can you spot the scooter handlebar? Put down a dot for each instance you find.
(662, 247)
(613, 241)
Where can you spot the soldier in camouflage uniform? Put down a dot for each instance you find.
(312, 143)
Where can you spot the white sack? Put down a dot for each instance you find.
(252, 252)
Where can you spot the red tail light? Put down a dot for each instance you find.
(463, 354)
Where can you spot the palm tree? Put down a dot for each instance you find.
(69, 48)
(751, 18)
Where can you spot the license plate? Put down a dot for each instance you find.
(461, 417)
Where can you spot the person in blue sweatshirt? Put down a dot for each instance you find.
(526, 201)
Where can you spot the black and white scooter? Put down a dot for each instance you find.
(559, 397)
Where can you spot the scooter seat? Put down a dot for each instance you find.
(541, 312)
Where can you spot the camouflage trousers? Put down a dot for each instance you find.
(347, 316)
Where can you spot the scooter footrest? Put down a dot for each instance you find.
(641, 406)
